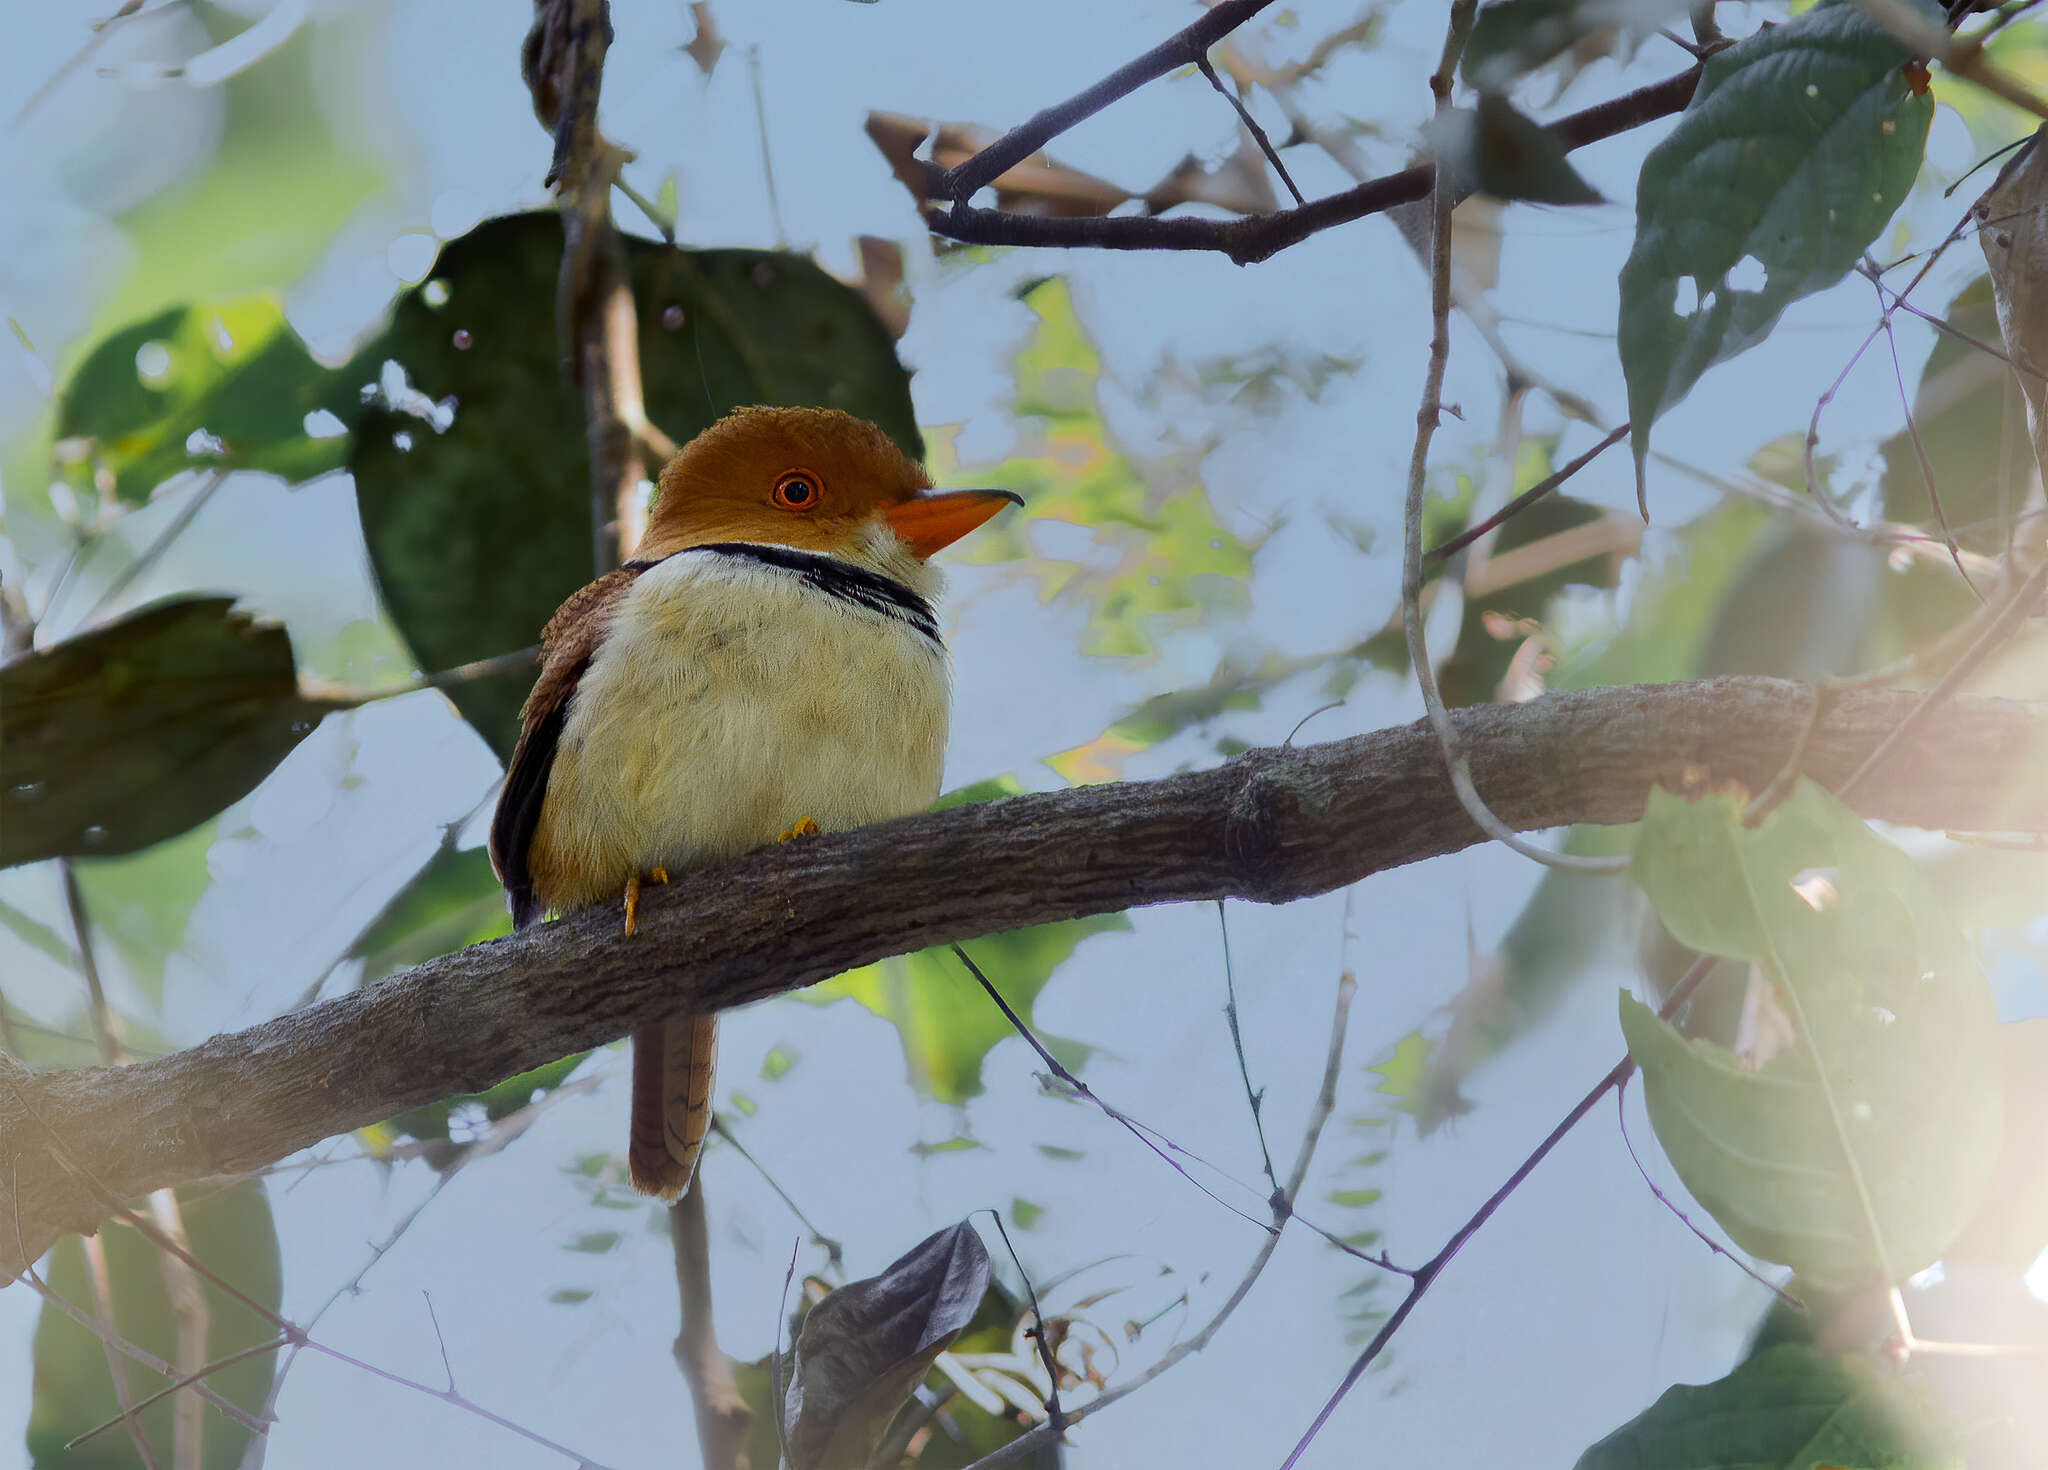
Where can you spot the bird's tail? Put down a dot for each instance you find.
(672, 1068)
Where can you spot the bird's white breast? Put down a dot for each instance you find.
(729, 700)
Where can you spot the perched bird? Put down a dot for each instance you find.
(767, 665)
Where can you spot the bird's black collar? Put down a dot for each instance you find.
(870, 591)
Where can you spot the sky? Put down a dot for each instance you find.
(1584, 1298)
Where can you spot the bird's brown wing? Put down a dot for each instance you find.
(568, 644)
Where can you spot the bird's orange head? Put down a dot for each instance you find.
(813, 478)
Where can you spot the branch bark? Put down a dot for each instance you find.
(1271, 825)
(1257, 237)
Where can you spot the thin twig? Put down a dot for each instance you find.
(1258, 133)
(1254, 1097)
(723, 1418)
(1426, 416)
(1169, 55)
(1139, 1131)
(94, 1248)
(344, 696)
(105, 1029)
(1257, 237)
(1425, 1276)
(767, 159)
(142, 1354)
(2024, 603)
(1621, 1120)
(194, 1318)
(193, 1379)
(162, 542)
(292, 1333)
(835, 1253)
(1955, 551)
(1319, 1114)
(1524, 500)
(1769, 799)
(1056, 1419)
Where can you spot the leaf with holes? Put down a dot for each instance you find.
(1787, 1409)
(207, 385)
(472, 475)
(868, 1344)
(1799, 144)
(1860, 1149)
(133, 732)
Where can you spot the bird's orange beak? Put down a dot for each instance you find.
(930, 522)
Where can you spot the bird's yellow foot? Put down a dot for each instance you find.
(805, 827)
(654, 875)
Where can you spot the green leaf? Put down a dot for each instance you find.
(945, 1021)
(1858, 1152)
(1513, 37)
(230, 1229)
(37, 935)
(137, 730)
(1169, 557)
(432, 1122)
(1799, 144)
(1972, 425)
(221, 384)
(142, 903)
(471, 472)
(1675, 610)
(1787, 1409)
(453, 902)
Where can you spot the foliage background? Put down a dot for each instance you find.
(1278, 399)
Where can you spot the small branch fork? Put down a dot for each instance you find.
(1251, 238)
(289, 1334)
(1325, 1103)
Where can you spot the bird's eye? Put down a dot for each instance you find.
(797, 490)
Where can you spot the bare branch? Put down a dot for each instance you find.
(723, 1418)
(1270, 825)
(1258, 237)
(1184, 48)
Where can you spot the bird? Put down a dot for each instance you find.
(768, 665)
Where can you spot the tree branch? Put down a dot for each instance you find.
(1256, 237)
(1271, 825)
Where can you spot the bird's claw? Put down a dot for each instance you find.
(654, 875)
(805, 827)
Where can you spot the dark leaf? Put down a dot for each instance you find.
(471, 464)
(211, 384)
(1787, 1409)
(453, 902)
(2014, 235)
(1513, 37)
(230, 1229)
(1496, 151)
(866, 1346)
(1799, 144)
(133, 732)
(1972, 427)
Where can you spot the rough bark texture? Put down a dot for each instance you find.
(1270, 825)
